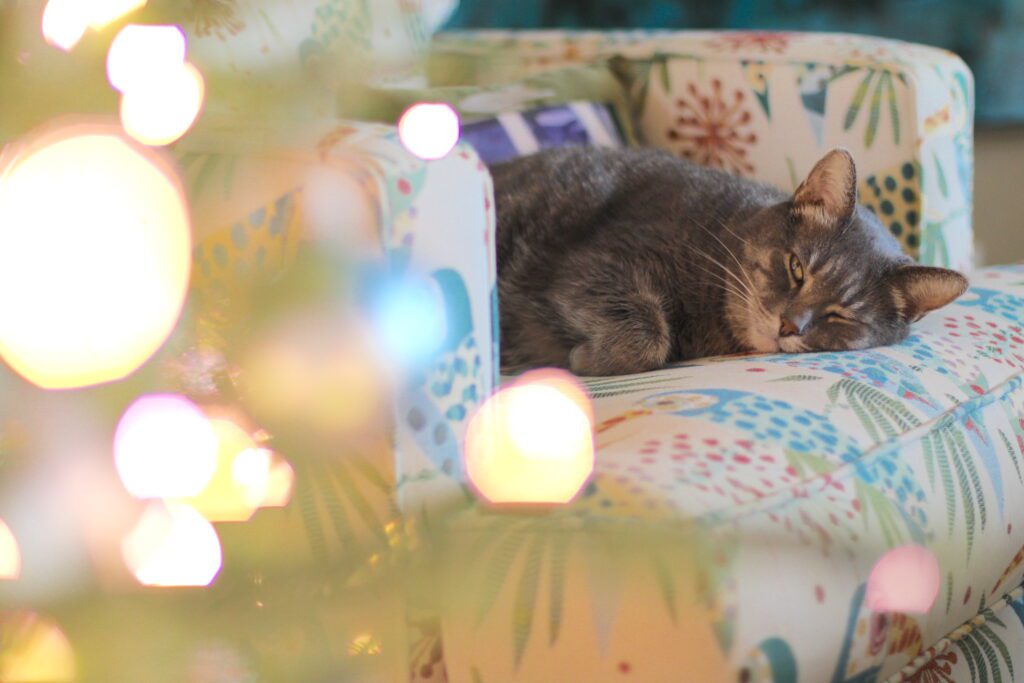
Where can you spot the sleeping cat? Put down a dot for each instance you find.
(620, 261)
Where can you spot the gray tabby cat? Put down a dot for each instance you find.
(620, 261)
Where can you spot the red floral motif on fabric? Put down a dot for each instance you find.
(939, 669)
(215, 17)
(711, 128)
(758, 41)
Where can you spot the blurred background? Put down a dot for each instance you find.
(988, 34)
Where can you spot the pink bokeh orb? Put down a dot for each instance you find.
(905, 579)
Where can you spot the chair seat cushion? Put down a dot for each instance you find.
(814, 466)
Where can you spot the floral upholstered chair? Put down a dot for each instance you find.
(782, 479)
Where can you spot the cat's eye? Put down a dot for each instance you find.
(796, 269)
(838, 318)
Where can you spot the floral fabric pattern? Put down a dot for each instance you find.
(710, 129)
(834, 457)
(812, 465)
(769, 105)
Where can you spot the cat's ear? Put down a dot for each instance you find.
(828, 196)
(917, 290)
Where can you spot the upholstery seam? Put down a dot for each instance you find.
(952, 637)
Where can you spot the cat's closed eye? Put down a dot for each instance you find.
(796, 270)
(834, 317)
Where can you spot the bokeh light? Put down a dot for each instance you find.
(65, 21)
(429, 131)
(95, 253)
(165, 447)
(314, 373)
(340, 211)
(905, 579)
(33, 649)
(239, 483)
(280, 482)
(140, 54)
(103, 12)
(409, 319)
(162, 110)
(10, 554)
(172, 545)
(531, 443)
(365, 644)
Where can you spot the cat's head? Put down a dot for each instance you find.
(823, 273)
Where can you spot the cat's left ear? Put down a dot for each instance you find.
(828, 196)
(917, 290)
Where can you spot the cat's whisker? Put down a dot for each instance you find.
(726, 285)
(746, 282)
(745, 293)
(751, 298)
(723, 267)
(732, 232)
(743, 270)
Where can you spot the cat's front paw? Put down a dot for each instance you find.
(586, 360)
(581, 362)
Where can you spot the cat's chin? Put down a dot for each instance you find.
(791, 345)
(763, 343)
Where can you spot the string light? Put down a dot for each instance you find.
(65, 21)
(34, 649)
(531, 442)
(172, 545)
(241, 478)
(165, 447)
(162, 94)
(429, 131)
(10, 555)
(280, 481)
(95, 254)
(141, 53)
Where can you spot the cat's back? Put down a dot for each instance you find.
(578, 175)
(561, 195)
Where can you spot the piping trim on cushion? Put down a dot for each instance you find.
(955, 635)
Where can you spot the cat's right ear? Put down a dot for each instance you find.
(917, 290)
(828, 196)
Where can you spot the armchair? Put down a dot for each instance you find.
(791, 475)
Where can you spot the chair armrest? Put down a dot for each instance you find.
(768, 105)
(434, 218)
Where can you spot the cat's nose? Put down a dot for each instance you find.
(793, 325)
(788, 328)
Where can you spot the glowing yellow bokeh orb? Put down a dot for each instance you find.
(10, 554)
(95, 254)
(429, 131)
(65, 21)
(33, 649)
(162, 110)
(239, 483)
(531, 443)
(165, 447)
(365, 644)
(172, 546)
(280, 481)
(140, 54)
